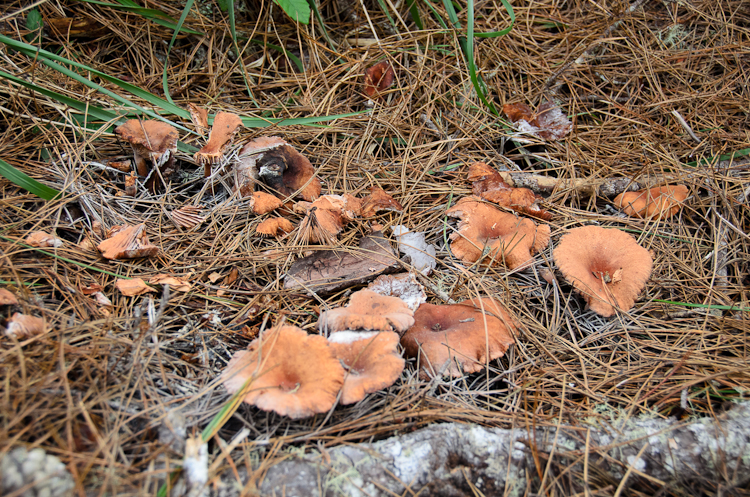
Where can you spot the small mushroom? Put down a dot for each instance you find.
(489, 185)
(289, 372)
(130, 242)
(378, 78)
(154, 144)
(199, 117)
(326, 217)
(605, 265)
(459, 338)
(263, 203)
(43, 239)
(378, 201)
(273, 161)
(371, 360)
(661, 202)
(223, 130)
(370, 311)
(485, 232)
(274, 226)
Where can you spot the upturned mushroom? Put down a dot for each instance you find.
(224, 128)
(605, 265)
(370, 311)
(289, 372)
(460, 338)
(488, 184)
(661, 202)
(154, 144)
(371, 360)
(273, 161)
(485, 232)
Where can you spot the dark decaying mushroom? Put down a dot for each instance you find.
(273, 161)
(605, 265)
(460, 338)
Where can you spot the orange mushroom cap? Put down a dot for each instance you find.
(446, 336)
(130, 242)
(489, 185)
(371, 361)
(280, 166)
(199, 117)
(605, 265)
(378, 78)
(505, 236)
(152, 140)
(291, 373)
(368, 310)
(377, 201)
(223, 130)
(7, 298)
(661, 202)
(326, 217)
(274, 226)
(263, 203)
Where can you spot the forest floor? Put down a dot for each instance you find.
(657, 92)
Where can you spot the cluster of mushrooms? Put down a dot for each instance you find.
(293, 373)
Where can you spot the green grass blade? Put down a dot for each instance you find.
(435, 13)
(27, 182)
(734, 155)
(476, 80)
(452, 15)
(296, 60)
(233, 30)
(503, 32)
(316, 11)
(705, 306)
(165, 85)
(414, 11)
(157, 16)
(256, 122)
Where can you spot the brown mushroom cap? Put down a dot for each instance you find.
(326, 217)
(281, 167)
(155, 141)
(503, 235)
(605, 265)
(130, 242)
(371, 361)
(444, 335)
(22, 326)
(274, 226)
(488, 184)
(377, 201)
(292, 373)
(223, 130)
(199, 117)
(263, 203)
(7, 298)
(368, 310)
(378, 78)
(661, 202)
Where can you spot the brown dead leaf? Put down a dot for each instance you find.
(42, 239)
(378, 78)
(128, 242)
(132, 287)
(7, 298)
(187, 216)
(378, 201)
(488, 184)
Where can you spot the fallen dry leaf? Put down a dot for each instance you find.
(488, 184)
(378, 201)
(378, 78)
(132, 287)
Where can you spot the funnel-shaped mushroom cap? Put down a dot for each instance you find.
(368, 310)
(444, 335)
(605, 265)
(661, 202)
(223, 130)
(292, 373)
(371, 360)
(485, 232)
(152, 140)
(281, 167)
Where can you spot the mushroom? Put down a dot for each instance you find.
(326, 217)
(43, 239)
(153, 142)
(549, 122)
(129, 242)
(223, 130)
(459, 338)
(274, 226)
(187, 216)
(263, 203)
(273, 161)
(377, 201)
(661, 202)
(22, 326)
(605, 265)
(378, 78)
(403, 285)
(368, 310)
(371, 361)
(7, 298)
(489, 185)
(199, 117)
(287, 371)
(486, 232)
